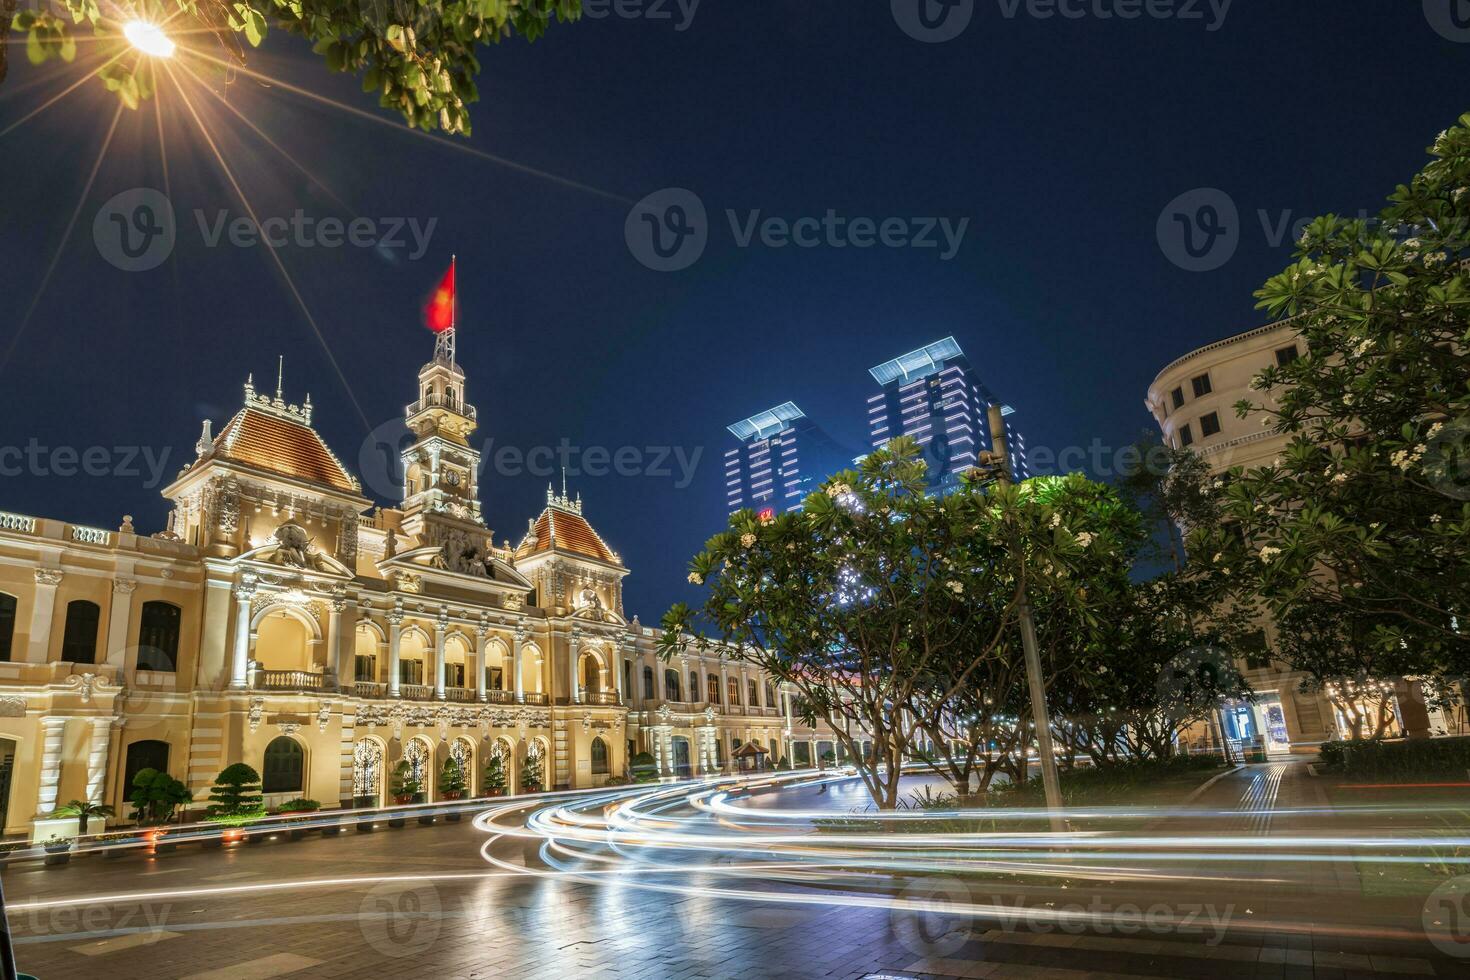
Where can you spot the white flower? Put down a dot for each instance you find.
(1268, 552)
(1434, 430)
(1216, 559)
(838, 490)
(747, 540)
(1339, 478)
(957, 588)
(1056, 520)
(695, 578)
(1084, 538)
(1347, 397)
(1363, 346)
(1434, 518)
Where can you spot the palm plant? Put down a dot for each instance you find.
(84, 812)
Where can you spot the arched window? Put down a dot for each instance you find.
(158, 636)
(648, 683)
(712, 689)
(732, 691)
(79, 642)
(599, 757)
(7, 624)
(693, 685)
(750, 694)
(283, 767)
(149, 753)
(771, 695)
(627, 678)
(671, 684)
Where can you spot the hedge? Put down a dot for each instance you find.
(1399, 759)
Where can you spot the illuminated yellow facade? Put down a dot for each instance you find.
(283, 621)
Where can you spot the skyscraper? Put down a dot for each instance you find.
(933, 395)
(781, 457)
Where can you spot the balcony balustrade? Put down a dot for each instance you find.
(289, 680)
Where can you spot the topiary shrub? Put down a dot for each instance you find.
(235, 797)
(156, 795)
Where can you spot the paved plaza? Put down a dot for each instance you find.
(424, 902)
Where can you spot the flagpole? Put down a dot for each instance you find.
(453, 306)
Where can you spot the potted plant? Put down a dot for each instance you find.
(403, 788)
(644, 768)
(156, 795)
(58, 850)
(494, 781)
(115, 845)
(531, 775)
(234, 799)
(84, 812)
(13, 850)
(452, 785)
(300, 805)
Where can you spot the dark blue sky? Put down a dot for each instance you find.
(1060, 140)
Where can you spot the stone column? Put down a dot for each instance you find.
(118, 620)
(516, 639)
(52, 730)
(482, 648)
(576, 653)
(97, 749)
(395, 636)
(240, 659)
(42, 610)
(441, 625)
(332, 661)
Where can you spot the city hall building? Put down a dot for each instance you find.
(282, 621)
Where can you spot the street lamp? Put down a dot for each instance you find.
(148, 38)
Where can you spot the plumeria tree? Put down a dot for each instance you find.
(1364, 518)
(420, 58)
(878, 602)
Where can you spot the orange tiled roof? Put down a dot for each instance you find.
(281, 445)
(567, 531)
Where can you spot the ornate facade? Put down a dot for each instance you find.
(283, 621)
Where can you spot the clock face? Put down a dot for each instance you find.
(451, 478)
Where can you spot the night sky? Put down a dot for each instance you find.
(1061, 141)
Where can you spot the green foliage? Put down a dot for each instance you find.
(1399, 761)
(299, 805)
(401, 782)
(235, 796)
(495, 774)
(451, 779)
(156, 795)
(644, 767)
(1112, 783)
(531, 775)
(1364, 519)
(84, 812)
(419, 58)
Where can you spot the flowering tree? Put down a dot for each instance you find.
(1364, 518)
(419, 57)
(884, 607)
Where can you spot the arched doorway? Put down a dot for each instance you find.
(367, 773)
(502, 750)
(533, 772)
(681, 755)
(463, 753)
(600, 763)
(419, 755)
(283, 768)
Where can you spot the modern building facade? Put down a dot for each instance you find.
(283, 621)
(781, 456)
(1193, 401)
(933, 395)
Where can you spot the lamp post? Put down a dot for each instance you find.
(1040, 717)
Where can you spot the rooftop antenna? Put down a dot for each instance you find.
(280, 373)
(564, 483)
